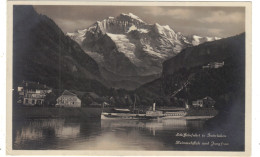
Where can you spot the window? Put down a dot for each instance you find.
(33, 101)
(26, 101)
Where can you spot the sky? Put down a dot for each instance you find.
(204, 21)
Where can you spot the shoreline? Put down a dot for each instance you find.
(54, 112)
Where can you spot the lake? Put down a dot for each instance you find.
(96, 134)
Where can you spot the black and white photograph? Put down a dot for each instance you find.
(166, 78)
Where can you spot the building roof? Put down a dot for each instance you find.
(208, 98)
(34, 85)
(93, 95)
(66, 92)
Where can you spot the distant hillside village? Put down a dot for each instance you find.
(36, 94)
(213, 65)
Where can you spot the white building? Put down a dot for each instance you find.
(68, 99)
(32, 93)
(205, 102)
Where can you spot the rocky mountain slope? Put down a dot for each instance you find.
(188, 65)
(43, 53)
(129, 51)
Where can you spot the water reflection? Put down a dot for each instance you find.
(161, 124)
(100, 134)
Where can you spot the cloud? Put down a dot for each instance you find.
(204, 31)
(215, 31)
(203, 21)
(173, 13)
(223, 17)
(67, 25)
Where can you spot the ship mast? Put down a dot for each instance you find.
(134, 102)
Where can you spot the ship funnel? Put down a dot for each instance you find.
(186, 105)
(153, 106)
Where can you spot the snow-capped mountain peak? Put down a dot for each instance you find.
(110, 17)
(132, 16)
(163, 29)
(196, 40)
(128, 47)
(78, 35)
(132, 28)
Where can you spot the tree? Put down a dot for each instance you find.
(50, 99)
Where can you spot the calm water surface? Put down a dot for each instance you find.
(96, 134)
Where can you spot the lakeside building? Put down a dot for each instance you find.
(213, 65)
(32, 93)
(205, 102)
(68, 99)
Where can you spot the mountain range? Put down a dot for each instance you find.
(129, 51)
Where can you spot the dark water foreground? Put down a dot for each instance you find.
(96, 134)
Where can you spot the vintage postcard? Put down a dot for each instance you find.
(117, 78)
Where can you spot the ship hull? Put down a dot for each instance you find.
(127, 116)
(187, 117)
(201, 113)
(122, 116)
(198, 117)
(189, 114)
(143, 116)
